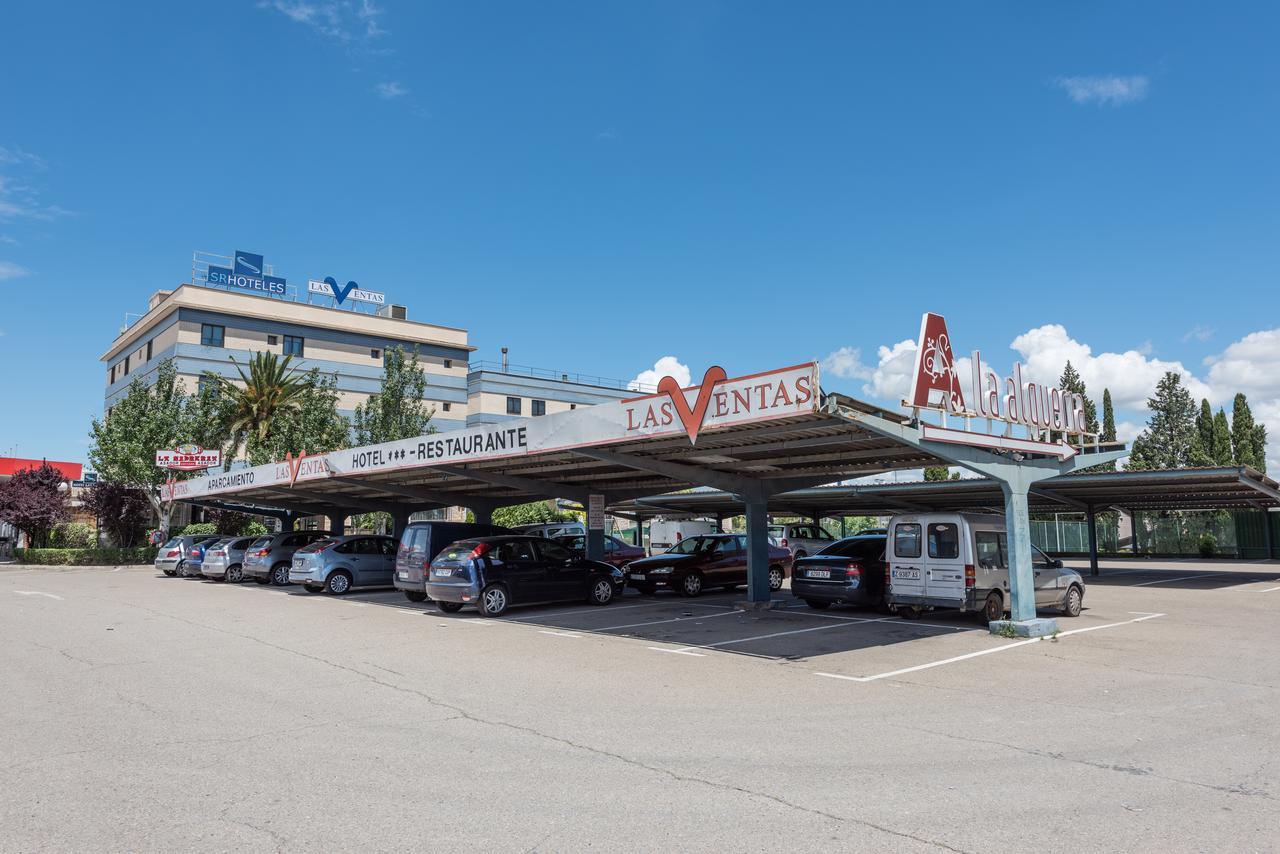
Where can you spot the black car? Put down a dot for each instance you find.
(494, 573)
(697, 563)
(847, 572)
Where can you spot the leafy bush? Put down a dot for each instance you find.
(84, 557)
(199, 529)
(1208, 544)
(254, 528)
(72, 535)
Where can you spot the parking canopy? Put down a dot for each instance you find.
(773, 430)
(1232, 487)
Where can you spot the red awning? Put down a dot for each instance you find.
(9, 466)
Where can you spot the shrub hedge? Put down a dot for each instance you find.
(85, 557)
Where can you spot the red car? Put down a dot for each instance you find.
(616, 552)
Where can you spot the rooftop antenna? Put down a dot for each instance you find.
(504, 360)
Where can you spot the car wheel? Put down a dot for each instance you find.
(493, 601)
(235, 574)
(181, 569)
(817, 604)
(993, 608)
(692, 584)
(776, 576)
(1074, 602)
(338, 583)
(800, 554)
(415, 595)
(449, 607)
(909, 612)
(262, 579)
(280, 574)
(601, 592)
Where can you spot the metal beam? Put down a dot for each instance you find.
(535, 487)
(675, 471)
(1060, 499)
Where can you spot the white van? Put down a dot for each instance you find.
(665, 533)
(551, 530)
(960, 560)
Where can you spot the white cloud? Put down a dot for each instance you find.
(1131, 375)
(9, 270)
(1198, 333)
(1250, 365)
(607, 135)
(340, 20)
(390, 90)
(891, 377)
(15, 156)
(667, 366)
(847, 363)
(1106, 90)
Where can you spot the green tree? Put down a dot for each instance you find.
(1244, 436)
(271, 392)
(1202, 438)
(398, 410)
(1260, 446)
(1108, 425)
(936, 473)
(124, 444)
(533, 513)
(1221, 444)
(1168, 441)
(1071, 381)
(313, 424)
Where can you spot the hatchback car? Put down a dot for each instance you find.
(420, 542)
(223, 560)
(616, 552)
(696, 563)
(801, 538)
(337, 564)
(847, 572)
(267, 560)
(494, 573)
(173, 555)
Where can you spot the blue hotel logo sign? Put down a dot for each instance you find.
(246, 275)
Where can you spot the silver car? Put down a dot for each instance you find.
(337, 564)
(801, 538)
(267, 559)
(172, 557)
(223, 560)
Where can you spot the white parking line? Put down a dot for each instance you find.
(780, 634)
(684, 651)
(660, 622)
(38, 593)
(559, 634)
(1269, 590)
(980, 652)
(1179, 578)
(580, 610)
(905, 623)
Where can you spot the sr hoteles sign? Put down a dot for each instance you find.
(246, 274)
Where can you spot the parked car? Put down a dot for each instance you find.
(420, 542)
(550, 530)
(960, 560)
(267, 560)
(801, 538)
(494, 573)
(223, 559)
(665, 533)
(847, 572)
(696, 563)
(337, 564)
(173, 556)
(616, 552)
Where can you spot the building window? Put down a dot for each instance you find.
(448, 363)
(447, 406)
(539, 407)
(375, 354)
(212, 336)
(272, 340)
(513, 406)
(113, 373)
(126, 366)
(293, 345)
(573, 406)
(149, 343)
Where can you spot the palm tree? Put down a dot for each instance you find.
(272, 389)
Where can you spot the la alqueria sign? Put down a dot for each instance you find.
(1041, 409)
(717, 402)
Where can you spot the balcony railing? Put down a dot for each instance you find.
(559, 376)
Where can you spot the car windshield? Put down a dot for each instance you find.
(318, 545)
(693, 545)
(866, 549)
(261, 543)
(456, 552)
(172, 541)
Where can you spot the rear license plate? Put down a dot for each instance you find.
(913, 574)
(636, 577)
(442, 571)
(402, 575)
(818, 573)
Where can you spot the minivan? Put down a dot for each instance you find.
(421, 542)
(960, 560)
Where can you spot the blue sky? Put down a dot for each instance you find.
(599, 185)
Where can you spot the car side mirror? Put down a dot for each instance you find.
(1057, 563)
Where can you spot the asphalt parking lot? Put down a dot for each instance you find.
(148, 713)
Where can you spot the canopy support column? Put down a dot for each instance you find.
(757, 511)
(1093, 541)
(595, 526)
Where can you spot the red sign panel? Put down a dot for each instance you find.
(936, 382)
